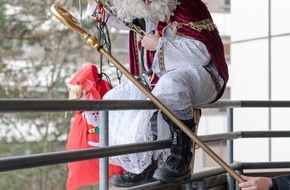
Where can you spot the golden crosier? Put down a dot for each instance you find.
(70, 21)
(66, 18)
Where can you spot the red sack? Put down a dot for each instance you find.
(84, 132)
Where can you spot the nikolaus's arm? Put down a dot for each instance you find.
(179, 51)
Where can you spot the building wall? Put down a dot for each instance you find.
(260, 71)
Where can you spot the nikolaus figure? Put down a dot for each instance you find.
(188, 59)
(86, 84)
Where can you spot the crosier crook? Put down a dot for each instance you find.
(70, 21)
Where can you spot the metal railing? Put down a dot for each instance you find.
(45, 159)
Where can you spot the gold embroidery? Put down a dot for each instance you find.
(136, 48)
(161, 59)
(175, 26)
(206, 24)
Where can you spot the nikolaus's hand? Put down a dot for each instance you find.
(150, 41)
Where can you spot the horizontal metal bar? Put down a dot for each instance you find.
(264, 165)
(198, 176)
(248, 104)
(272, 104)
(24, 105)
(244, 134)
(220, 137)
(195, 177)
(45, 159)
(223, 104)
(264, 134)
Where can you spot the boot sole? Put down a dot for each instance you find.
(185, 177)
(132, 184)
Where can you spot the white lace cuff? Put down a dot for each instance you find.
(91, 9)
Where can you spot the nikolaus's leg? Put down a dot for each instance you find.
(177, 167)
(179, 91)
(196, 118)
(130, 179)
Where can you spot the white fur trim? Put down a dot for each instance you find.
(91, 8)
(95, 144)
(159, 10)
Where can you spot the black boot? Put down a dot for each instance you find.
(131, 179)
(177, 166)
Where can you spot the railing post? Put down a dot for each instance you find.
(200, 185)
(187, 186)
(230, 150)
(236, 185)
(104, 162)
